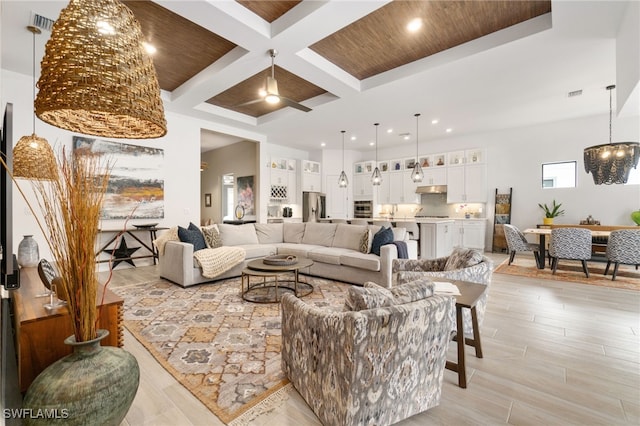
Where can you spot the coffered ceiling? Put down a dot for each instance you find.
(471, 64)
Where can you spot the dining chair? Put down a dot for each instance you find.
(570, 244)
(517, 242)
(623, 247)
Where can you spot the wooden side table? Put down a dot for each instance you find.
(470, 293)
(40, 333)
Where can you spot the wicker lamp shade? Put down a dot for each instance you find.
(33, 158)
(96, 78)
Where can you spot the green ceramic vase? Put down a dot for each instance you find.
(635, 216)
(93, 385)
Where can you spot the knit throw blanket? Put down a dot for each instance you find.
(215, 261)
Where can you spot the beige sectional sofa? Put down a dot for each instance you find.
(335, 249)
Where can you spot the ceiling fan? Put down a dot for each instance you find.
(270, 93)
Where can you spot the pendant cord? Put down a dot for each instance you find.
(342, 149)
(376, 124)
(610, 113)
(33, 76)
(417, 139)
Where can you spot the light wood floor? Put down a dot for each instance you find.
(555, 353)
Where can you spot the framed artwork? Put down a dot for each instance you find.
(384, 166)
(409, 163)
(245, 194)
(137, 179)
(207, 200)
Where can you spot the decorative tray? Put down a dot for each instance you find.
(146, 225)
(280, 260)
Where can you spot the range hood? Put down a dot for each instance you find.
(431, 189)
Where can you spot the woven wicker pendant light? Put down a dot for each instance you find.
(96, 77)
(33, 157)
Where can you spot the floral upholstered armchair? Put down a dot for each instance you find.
(462, 264)
(368, 365)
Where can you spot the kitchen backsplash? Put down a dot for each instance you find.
(435, 205)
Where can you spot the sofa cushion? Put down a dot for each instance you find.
(462, 258)
(382, 237)
(192, 235)
(329, 255)
(319, 233)
(413, 290)
(367, 261)
(348, 236)
(269, 233)
(293, 232)
(399, 234)
(212, 236)
(254, 251)
(300, 250)
(235, 235)
(362, 298)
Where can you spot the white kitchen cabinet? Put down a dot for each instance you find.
(434, 176)
(467, 183)
(311, 176)
(402, 190)
(469, 233)
(362, 187)
(383, 191)
(436, 239)
(283, 180)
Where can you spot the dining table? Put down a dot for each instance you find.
(542, 234)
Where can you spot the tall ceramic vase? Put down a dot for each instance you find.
(28, 252)
(94, 385)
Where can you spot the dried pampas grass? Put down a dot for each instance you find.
(71, 205)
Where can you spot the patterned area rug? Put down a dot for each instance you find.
(225, 350)
(628, 277)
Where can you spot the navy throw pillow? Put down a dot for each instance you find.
(382, 237)
(192, 235)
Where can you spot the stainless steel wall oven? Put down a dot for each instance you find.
(363, 209)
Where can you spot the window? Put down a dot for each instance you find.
(559, 175)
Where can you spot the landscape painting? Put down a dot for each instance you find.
(137, 178)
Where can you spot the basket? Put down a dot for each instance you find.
(280, 260)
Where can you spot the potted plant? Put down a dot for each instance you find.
(551, 212)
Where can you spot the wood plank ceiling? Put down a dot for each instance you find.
(372, 45)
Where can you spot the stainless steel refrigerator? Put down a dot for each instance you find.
(313, 206)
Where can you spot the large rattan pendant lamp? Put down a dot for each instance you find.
(33, 157)
(343, 182)
(417, 174)
(611, 163)
(376, 177)
(96, 77)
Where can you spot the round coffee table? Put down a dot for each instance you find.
(270, 291)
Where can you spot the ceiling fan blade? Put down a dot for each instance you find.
(294, 104)
(255, 101)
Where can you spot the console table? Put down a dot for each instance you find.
(151, 249)
(40, 333)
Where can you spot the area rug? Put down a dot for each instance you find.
(628, 277)
(223, 349)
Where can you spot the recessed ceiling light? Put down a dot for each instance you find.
(150, 48)
(414, 25)
(372, 143)
(353, 138)
(323, 144)
(434, 121)
(449, 130)
(262, 93)
(389, 130)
